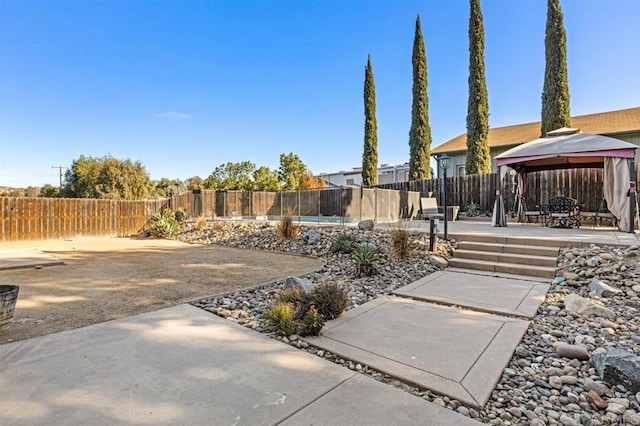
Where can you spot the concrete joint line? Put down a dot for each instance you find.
(315, 399)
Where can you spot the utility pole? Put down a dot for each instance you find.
(60, 168)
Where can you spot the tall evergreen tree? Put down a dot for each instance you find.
(370, 154)
(420, 133)
(555, 94)
(478, 156)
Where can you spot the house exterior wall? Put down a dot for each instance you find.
(386, 174)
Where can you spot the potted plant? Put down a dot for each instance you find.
(8, 299)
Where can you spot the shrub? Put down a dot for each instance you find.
(400, 244)
(182, 214)
(344, 243)
(312, 323)
(365, 259)
(201, 223)
(281, 316)
(163, 224)
(287, 230)
(473, 209)
(330, 300)
(298, 298)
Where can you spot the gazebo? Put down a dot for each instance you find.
(568, 148)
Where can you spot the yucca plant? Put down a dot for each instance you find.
(344, 243)
(330, 299)
(287, 230)
(365, 259)
(473, 209)
(182, 214)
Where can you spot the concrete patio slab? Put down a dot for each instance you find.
(453, 352)
(26, 258)
(506, 296)
(364, 401)
(531, 234)
(179, 365)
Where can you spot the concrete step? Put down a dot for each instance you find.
(497, 239)
(507, 268)
(521, 259)
(510, 248)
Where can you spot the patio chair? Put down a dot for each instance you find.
(563, 212)
(603, 213)
(533, 210)
(429, 208)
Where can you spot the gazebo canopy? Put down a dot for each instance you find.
(568, 148)
(565, 148)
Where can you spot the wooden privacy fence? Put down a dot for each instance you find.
(56, 218)
(585, 185)
(369, 203)
(461, 190)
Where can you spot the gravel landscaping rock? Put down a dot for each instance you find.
(540, 385)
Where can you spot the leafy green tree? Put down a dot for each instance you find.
(194, 182)
(370, 154)
(478, 155)
(49, 191)
(555, 94)
(420, 133)
(231, 176)
(107, 177)
(169, 187)
(265, 179)
(292, 170)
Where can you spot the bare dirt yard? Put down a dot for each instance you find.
(108, 278)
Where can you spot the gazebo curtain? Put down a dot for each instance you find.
(499, 218)
(522, 191)
(616, 189)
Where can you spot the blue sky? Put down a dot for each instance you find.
(184, 86)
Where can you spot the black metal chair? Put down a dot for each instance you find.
(564, 212)
(603, 213)
(533, 210)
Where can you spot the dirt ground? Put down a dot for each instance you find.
(109, 278)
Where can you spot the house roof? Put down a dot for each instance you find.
(602, 123)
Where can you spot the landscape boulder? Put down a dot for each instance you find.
(575, 304)
(301, 283)
(617, 367)
(366, 225)
(312, 237)
(602, 289)
(440, 262)
(571, 351)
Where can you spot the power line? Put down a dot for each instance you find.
(60, 168)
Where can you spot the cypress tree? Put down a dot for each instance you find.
(555, 94)
(370, 154)
(420, 133)
(478, 156)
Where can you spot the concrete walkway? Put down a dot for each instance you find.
(519, 296)
(454, 352)
(26, 258)
(182, 365)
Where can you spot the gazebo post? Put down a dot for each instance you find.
(632, 195)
